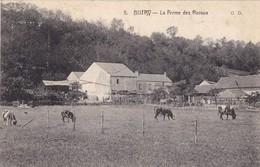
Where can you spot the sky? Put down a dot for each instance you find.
(236, 20)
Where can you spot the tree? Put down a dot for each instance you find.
(117, 24)
(159, 94)
(172, 31)
(75, 86)
(158, 38)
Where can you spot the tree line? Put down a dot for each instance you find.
(40, 44)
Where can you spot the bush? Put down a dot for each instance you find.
(253, 99)
(158, 94)
(75, 96)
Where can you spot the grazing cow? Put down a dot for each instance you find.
(163, 111)
(9, 117)
(228, 110)
(67, 114)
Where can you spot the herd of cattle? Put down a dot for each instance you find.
(10, 119)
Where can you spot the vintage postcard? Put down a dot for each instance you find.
(130, 83)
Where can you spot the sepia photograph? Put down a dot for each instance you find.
(93, 83)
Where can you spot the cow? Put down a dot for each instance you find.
(67, 114)
(163, 111)
(228, 110)
(9, 117)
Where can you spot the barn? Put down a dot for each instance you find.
(249, 84)
(103, 79)
(234, 89)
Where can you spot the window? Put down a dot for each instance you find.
(117, 81)
(149, 87)
(140, 86)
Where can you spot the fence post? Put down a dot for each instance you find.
(143, 131)
(102, 122)
(74, 121)
(196, 129)
(48, 118)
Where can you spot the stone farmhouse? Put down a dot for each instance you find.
(101, 80)
(147, 83)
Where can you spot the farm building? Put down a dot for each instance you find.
(56, 85)
(203, 91)
(249, 83)
(204, 88)
(232, 94)
(74, 80)
(147, 83)
(74, 77)
(235, 88)
(102, 79)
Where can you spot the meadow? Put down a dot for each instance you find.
(43, 142)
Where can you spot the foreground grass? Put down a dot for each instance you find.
(166, 143)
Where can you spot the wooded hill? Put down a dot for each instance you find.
(41, 44)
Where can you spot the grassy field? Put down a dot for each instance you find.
(229, 143)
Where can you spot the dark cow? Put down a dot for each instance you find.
(164, 112)
(227, 111)
(9, 117)
(67, 114)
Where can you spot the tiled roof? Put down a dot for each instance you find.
(204, 89)
(116, 69)
(153, 78)
(55, 83)
(232, 93)
(250, 81)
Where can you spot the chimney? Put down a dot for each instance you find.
(165, 73)
(137, 73)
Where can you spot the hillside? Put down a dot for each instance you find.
(39, 44)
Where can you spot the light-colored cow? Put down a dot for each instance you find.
(9, 117)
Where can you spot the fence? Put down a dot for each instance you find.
(138, 99)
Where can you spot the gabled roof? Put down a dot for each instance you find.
(75, 75)
(78, 74)
(206, 82)
(153, 78)
(250, 81)
(55, 83)
(204, 89)
(116, 69)
(232, 93)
